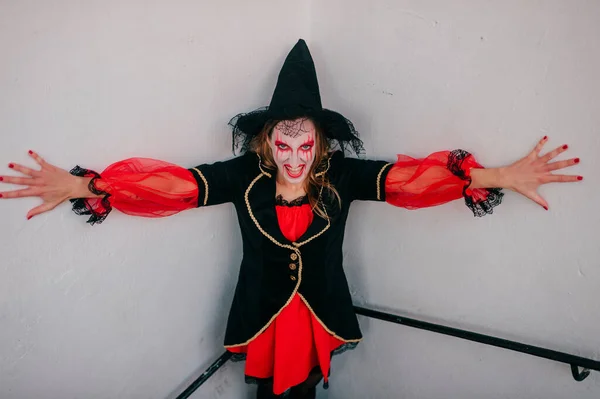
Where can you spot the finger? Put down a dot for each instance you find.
(40, 161)
(562, 164)
(24, 181)
(535, 197)
(26, 192)
(561, 178)
(48, 206)
(23, 169)
(554, 153)
(538, 148)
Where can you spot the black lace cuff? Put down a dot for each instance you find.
(485, 207)
(83, 206)
(480, 208)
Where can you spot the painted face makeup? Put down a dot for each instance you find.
(293, 146)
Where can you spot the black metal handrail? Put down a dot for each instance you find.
(574, 361)
(217, 364)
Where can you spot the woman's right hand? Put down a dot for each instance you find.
(52, 184)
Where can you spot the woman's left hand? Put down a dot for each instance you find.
(530, 172)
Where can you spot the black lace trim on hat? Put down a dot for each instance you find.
(351, 143)
(295, 202)
(479, 208)
(240, 134)
(81, 206)
(339, 131)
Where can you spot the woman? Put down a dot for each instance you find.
(292, 191)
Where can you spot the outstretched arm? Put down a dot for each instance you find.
(52, 184)
(528, 173)
(135, 186)
(449, 175)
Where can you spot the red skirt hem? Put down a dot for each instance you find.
(289, 348)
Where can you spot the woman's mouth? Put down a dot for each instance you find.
(294, 173)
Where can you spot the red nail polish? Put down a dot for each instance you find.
(546, 208)
(1, 178)
(576, 160)
(545, 137)
(30, 152)
(0, 195)
(28, 217)
(10, 165)
(565, 147)
(579, 177)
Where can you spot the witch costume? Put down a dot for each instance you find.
(292, 308)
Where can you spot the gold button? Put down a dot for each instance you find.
(293, 278)
(293, 256)
(292, 266)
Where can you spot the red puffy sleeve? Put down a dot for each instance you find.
(437, 179)
(137, 186)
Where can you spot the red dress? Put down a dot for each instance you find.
(295, 342)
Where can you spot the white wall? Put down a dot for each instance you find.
(132, 308)
(493, 78)
(136, 308)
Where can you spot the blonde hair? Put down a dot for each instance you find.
(315, 182)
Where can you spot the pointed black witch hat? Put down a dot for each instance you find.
(296, 96)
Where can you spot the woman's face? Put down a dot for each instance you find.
(293, 145)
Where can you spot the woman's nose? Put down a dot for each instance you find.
(295, 159)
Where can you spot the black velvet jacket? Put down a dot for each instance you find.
(273, 268)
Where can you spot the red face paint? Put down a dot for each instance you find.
(294, 155)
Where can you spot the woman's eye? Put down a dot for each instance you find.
(282, 146)
(306, 147)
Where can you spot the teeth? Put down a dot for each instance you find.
(294, 170)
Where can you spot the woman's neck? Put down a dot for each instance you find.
(289, 191)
